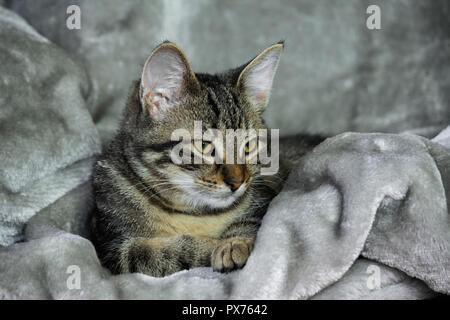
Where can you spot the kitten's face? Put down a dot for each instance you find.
(172, 97)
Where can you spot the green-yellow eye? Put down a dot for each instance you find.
(202, 146)
(250, 146)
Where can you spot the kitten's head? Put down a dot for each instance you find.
(170, 97)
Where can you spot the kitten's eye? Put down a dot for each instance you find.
(250, 146)
(203, 146)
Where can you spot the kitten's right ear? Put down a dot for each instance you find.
(166, 79)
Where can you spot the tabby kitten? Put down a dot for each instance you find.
(157, 217)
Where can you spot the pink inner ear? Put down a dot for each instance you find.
(261, 96)
(152, 101)
(164, 71)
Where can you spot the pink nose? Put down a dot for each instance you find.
(233, 184)
(234, 175)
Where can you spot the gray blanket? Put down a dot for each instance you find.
(47, 136)
(363, 216)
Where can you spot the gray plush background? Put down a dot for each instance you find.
(335, 74)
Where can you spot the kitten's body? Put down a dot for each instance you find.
(148, 217)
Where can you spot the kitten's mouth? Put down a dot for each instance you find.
(217, 198)
(198, 194)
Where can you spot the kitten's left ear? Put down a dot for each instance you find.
(167, 78)
(257, 77)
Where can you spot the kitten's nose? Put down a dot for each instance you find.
(234, 184)
(234, 175)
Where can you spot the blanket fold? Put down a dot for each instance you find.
(392, 201)
(47, 136)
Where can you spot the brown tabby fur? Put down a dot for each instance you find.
(145, 224)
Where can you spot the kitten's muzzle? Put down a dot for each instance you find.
(234, 184)
(234, 176)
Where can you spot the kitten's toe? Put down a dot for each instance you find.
(231, 254)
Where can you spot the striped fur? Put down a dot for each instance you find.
(151, 215)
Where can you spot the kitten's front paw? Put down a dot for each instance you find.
(231, 254)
